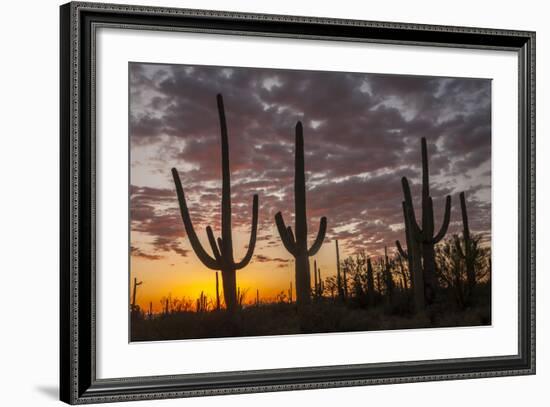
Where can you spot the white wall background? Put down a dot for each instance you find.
(29, 202)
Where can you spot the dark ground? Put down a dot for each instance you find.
(323, 316)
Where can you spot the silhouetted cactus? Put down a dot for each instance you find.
(339, 282)
(241, 295)
(468, 253)
(424, 234)
(297, 245)
(388, 278)
(345, 282)
(218, 305)
(136, 285)
(371, 296)
(316, 284)
(165, 302)
(402, 272)
(290, 293)
(202, 303)
(222, 248)
(321, 284)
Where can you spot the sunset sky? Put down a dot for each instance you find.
(361, 135)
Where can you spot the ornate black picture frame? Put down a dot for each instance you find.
(78, 381)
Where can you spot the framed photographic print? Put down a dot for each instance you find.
(257, 203)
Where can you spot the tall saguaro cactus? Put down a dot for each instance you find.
(222, 248)
(469, 252)
(424, 233)
(297, 245)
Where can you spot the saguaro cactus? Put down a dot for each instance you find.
(318, 291)
(388, 278)
(165, 302)
(339, 282)
(202, 303)
(321, 286)
(370, 283)
(424, 233)
(136, 285)
(402, 271)
(469, 251)
(222, 248)
(290, 293)
(297, 246)
(316, 285)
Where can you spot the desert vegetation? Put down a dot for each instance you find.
(433, 280)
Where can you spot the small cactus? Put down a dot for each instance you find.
(370, 283)
(202, 303)
(339, 279)
(388, 278)
(136, 285)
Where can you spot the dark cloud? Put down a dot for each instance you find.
(362, 134)
(261, 258)
(136, 252)
(167, 244)
(152, 212)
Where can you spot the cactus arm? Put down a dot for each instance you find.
(220, 244)
(416, 230)
(320, 237)
(402, 252)
(286, 236)
(203, 256)
(291, 236)
(253, 234)
(446, 220)
(428, 219)
(213, 245)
